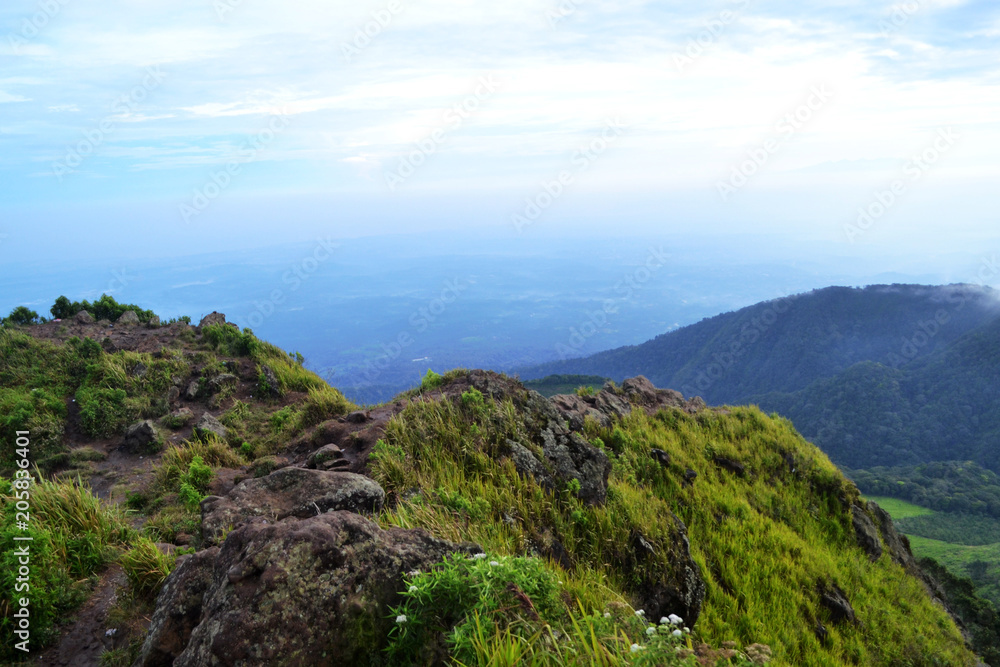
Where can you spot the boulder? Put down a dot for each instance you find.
(678, 590)
(193, 389)
(310, 592)
(836, 602)
(328, 457)
(154, 322)
(866, 533)
(108, 345)
(141, 437)
(128, 317)
(295, 492)
(178, 608)
(221, 381)
(268, 382)
(208, 426)
(83, 317)
(212, 318)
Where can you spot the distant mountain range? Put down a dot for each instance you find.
(881, 375)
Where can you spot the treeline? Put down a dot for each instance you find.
(105, 308)
(948, 486)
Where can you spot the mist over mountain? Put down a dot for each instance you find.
(878, 375)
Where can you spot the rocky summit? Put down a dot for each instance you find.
(203, 499)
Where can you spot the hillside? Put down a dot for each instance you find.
(787, 344)
(235, 509)
(885, 375)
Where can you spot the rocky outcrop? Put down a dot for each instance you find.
(222, 381)
(209, 426)
(866, 533)
(268, 382)
(83, 317)
(327, 457)
(678, 590)
(213, 318)
(178, 608)
(289, 492)
(128, 317)
(309, 592)
(612, 402)
(141, 438)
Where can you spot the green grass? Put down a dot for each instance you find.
(765, 542)
(900, 509)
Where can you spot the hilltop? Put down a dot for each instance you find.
(882, 375)
(253, 515)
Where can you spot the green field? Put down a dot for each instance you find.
(900, 509)
(963, 553)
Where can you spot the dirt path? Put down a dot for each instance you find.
(84, 638)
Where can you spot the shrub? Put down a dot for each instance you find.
(431, 381)
(146, 567)
(22, 316)
(104, 412)
(323, 404)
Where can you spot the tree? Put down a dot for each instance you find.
(21, 316)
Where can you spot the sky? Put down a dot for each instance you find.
(155, 128)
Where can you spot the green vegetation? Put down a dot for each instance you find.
(900, 509)
(499, 610)
(947, 486)
(105, 308)
(565, 384)
(20, 316)
(73, 536)
(765, 542)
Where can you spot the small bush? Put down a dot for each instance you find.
(431, 381)
(146, 567)
(323, 404)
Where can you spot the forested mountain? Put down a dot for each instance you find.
(883, 375)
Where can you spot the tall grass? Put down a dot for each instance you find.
(766, 541)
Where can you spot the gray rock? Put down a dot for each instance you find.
(193, 389)
(327, 457)
(209, 426)
(295, 492)
(897, 545)
(141, 437)
(178, 609)
(212, 318)
(866, 533)
(154, 322)
(269, 383)
(835, 600)
(221, 381)
(173, 395)
(294, 593)
(83, 317)
(128, 317)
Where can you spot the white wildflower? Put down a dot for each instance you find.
(675, 619)
(664, 620)
(111, 632)
(651, 630)
(607, 614)
(413, 589)
(401, 619)
(677, 633)
(640, 612)
(636, 648)
(494, 563)
(478, 556)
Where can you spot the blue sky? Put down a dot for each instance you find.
(155, 128)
